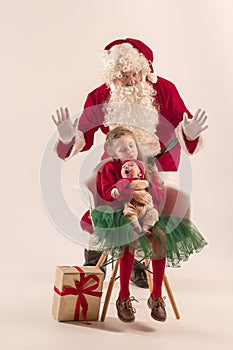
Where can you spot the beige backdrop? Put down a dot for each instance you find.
(51, 57)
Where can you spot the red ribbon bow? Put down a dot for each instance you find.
(80, 291)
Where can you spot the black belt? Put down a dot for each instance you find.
(169, 146)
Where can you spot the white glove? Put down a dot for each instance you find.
(193, 127)
(66, 130)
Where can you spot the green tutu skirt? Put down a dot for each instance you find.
(171, 236)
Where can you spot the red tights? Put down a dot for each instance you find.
(158, 267)
(126, 266)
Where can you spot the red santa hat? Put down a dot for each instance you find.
(115, 52)
(138, 162)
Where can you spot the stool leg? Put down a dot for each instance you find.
(148, 274)
(171, 297)
(102, 258)
(109, 291)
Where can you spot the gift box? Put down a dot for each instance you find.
(77, 293)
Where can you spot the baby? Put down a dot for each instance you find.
(133, 178)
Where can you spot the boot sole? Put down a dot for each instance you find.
(158, 319)
(126, 321)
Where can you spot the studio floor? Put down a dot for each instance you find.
(204, 302)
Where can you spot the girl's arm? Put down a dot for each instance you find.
(106, 180)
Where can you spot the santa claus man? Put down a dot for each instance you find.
(149, 105)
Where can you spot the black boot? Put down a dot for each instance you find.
(91, 259)
(138, 275)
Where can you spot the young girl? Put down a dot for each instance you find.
(114, 230)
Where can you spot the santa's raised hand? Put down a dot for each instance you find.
(194, 127)
(66, 130)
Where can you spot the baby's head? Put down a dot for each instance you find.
(132, 168)
(120, 143)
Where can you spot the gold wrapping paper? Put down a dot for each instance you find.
(64, 307)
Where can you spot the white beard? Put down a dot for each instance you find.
(132, 107)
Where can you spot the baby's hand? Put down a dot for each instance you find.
(115, 193)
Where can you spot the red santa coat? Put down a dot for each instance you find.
(171, 109)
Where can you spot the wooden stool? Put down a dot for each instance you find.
(150, 283)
